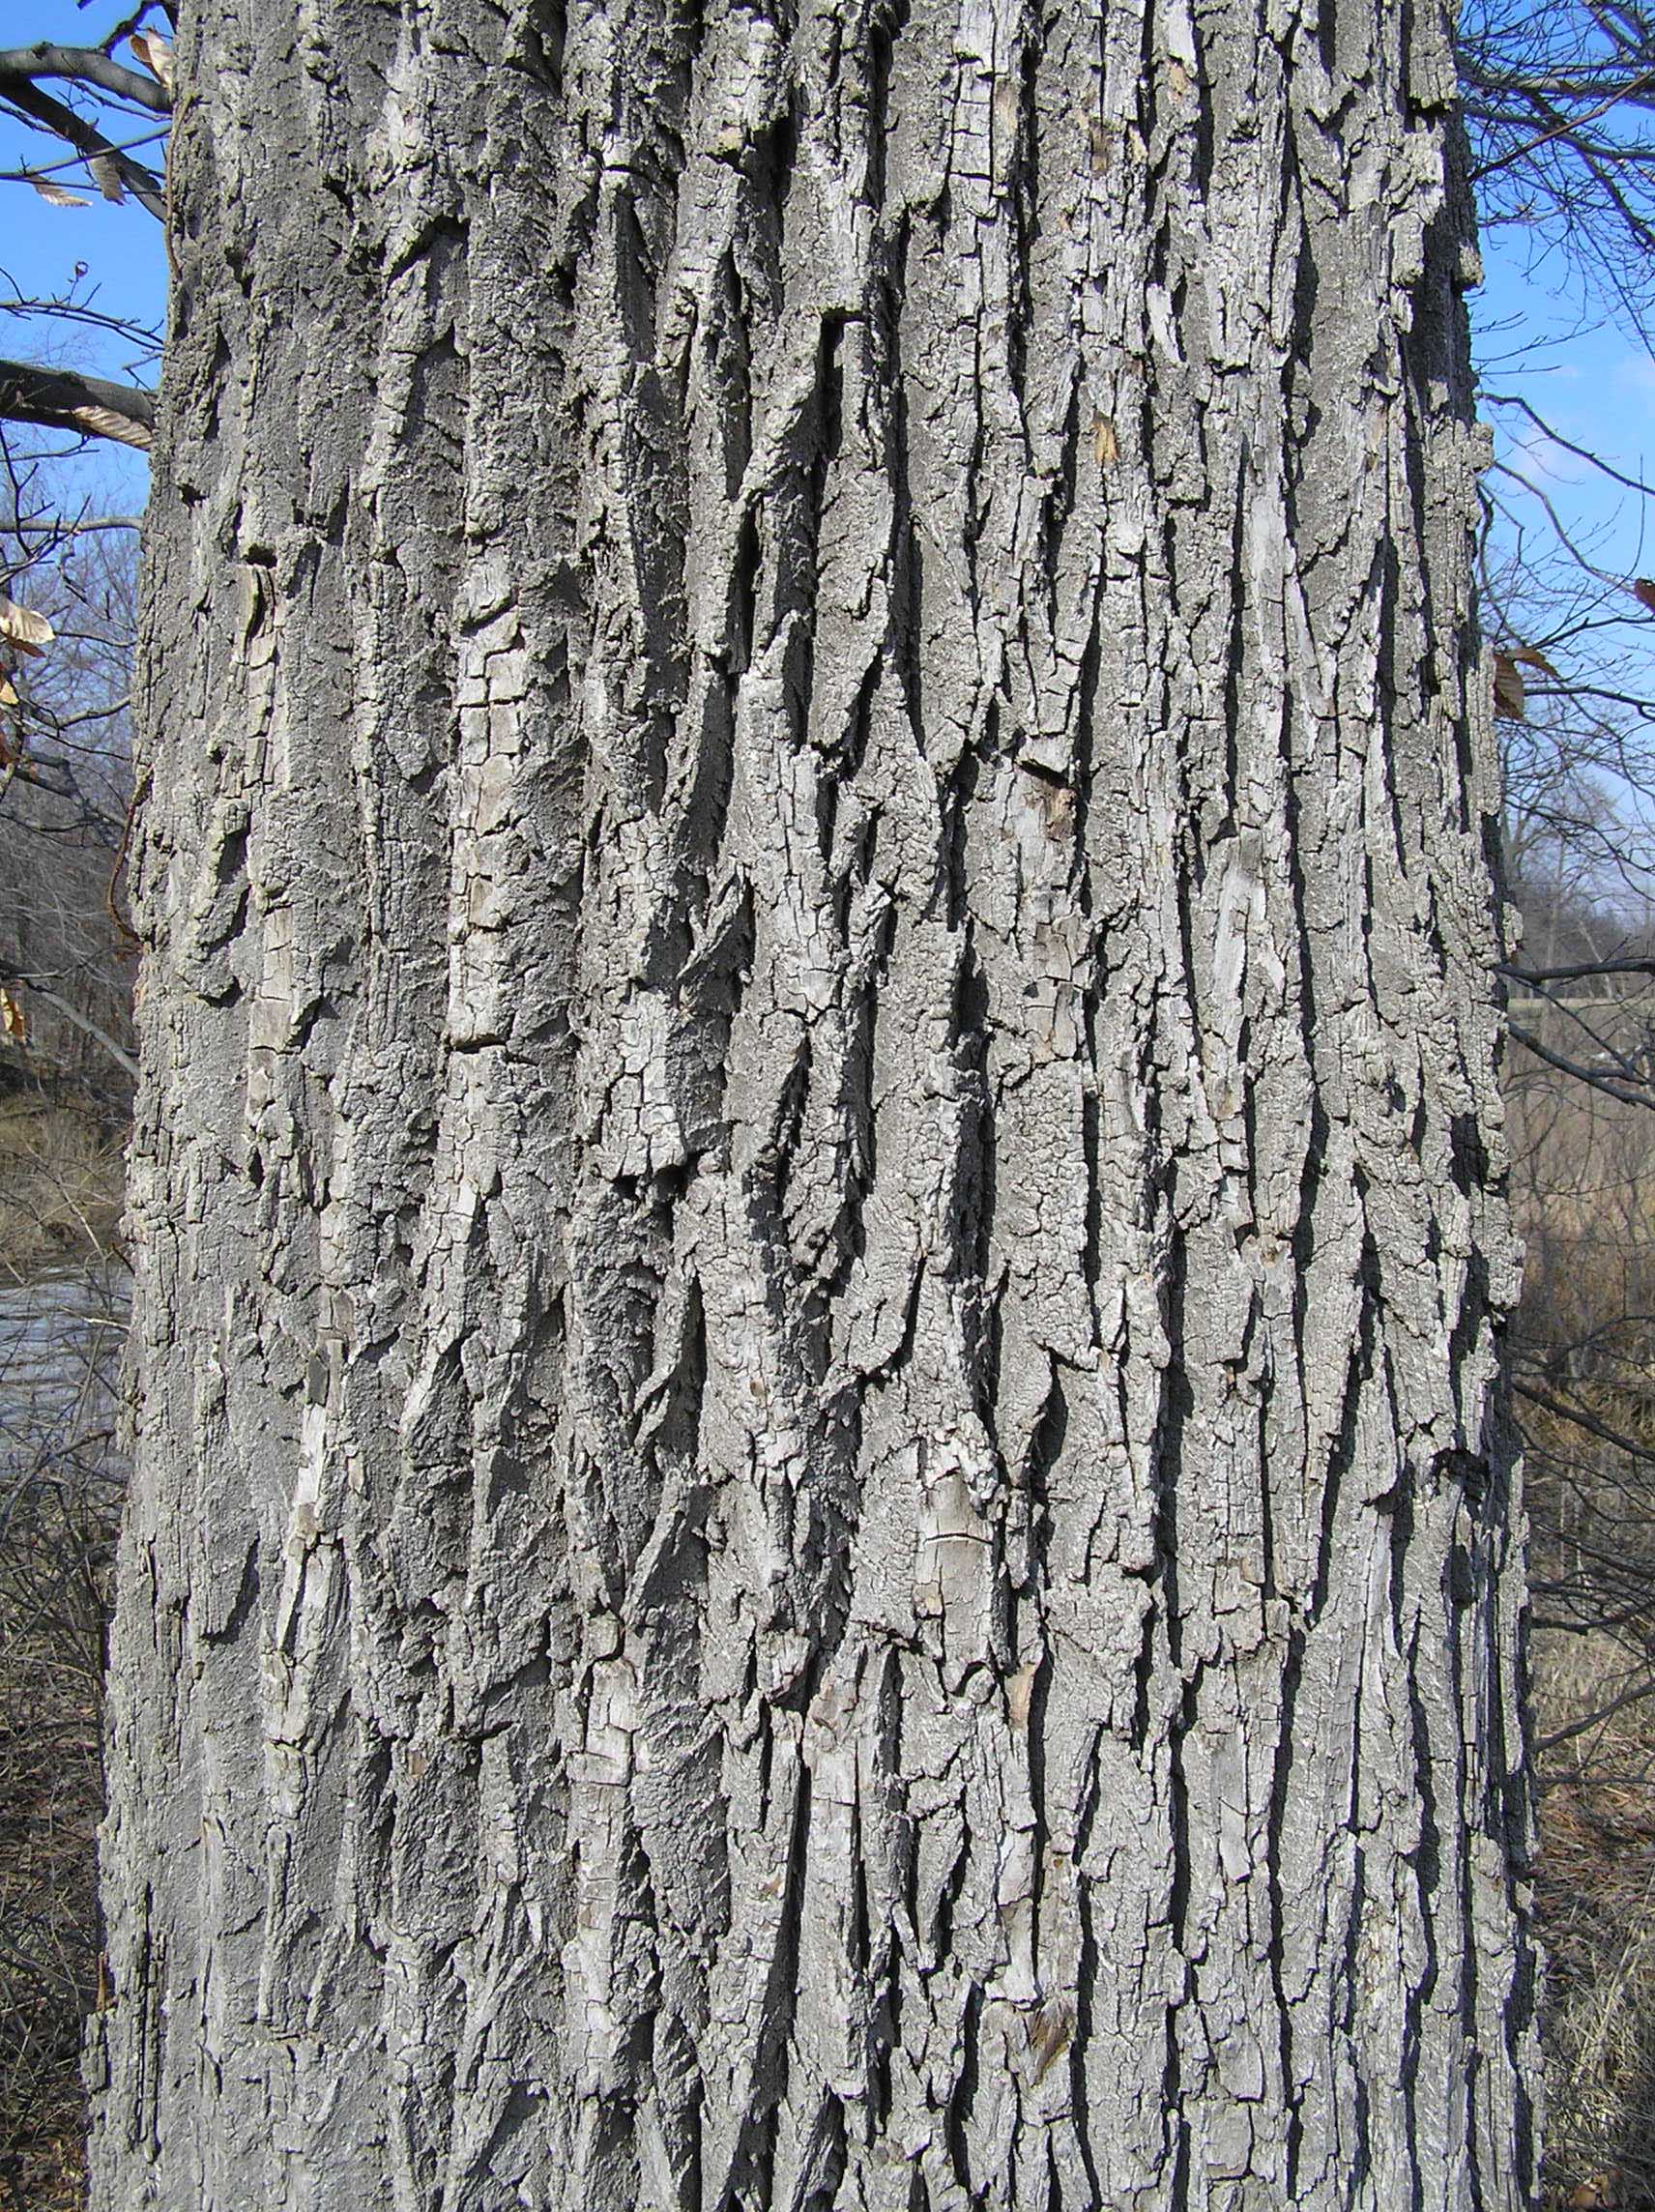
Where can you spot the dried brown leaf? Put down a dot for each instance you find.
(23, 628)
(107, 176)
(1510, 702)
(104, 422)
(155, 54)
(13, 1023)
(58, 195)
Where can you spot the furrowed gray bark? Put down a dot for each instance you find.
(821, 1517)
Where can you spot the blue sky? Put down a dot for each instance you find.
(1536, 334)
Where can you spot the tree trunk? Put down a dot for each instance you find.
(821, 1518)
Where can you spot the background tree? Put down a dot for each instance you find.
(64, 792)
(99, 113)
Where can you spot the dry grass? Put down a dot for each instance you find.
(1585, 1171)
(1597, 1909)
(60, 1185)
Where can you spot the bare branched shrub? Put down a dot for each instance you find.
(62, 1312)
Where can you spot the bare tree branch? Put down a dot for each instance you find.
(62, 399)
(1582, 1419)
(69, 1012)
(84, 65)
(1579, 970)
(1629, 1093)
(1556, 438)
(51, 114)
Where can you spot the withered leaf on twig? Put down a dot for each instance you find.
(58, 195)
(23, 628)
(107, 176)
(1511, 699)
(155, 54)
